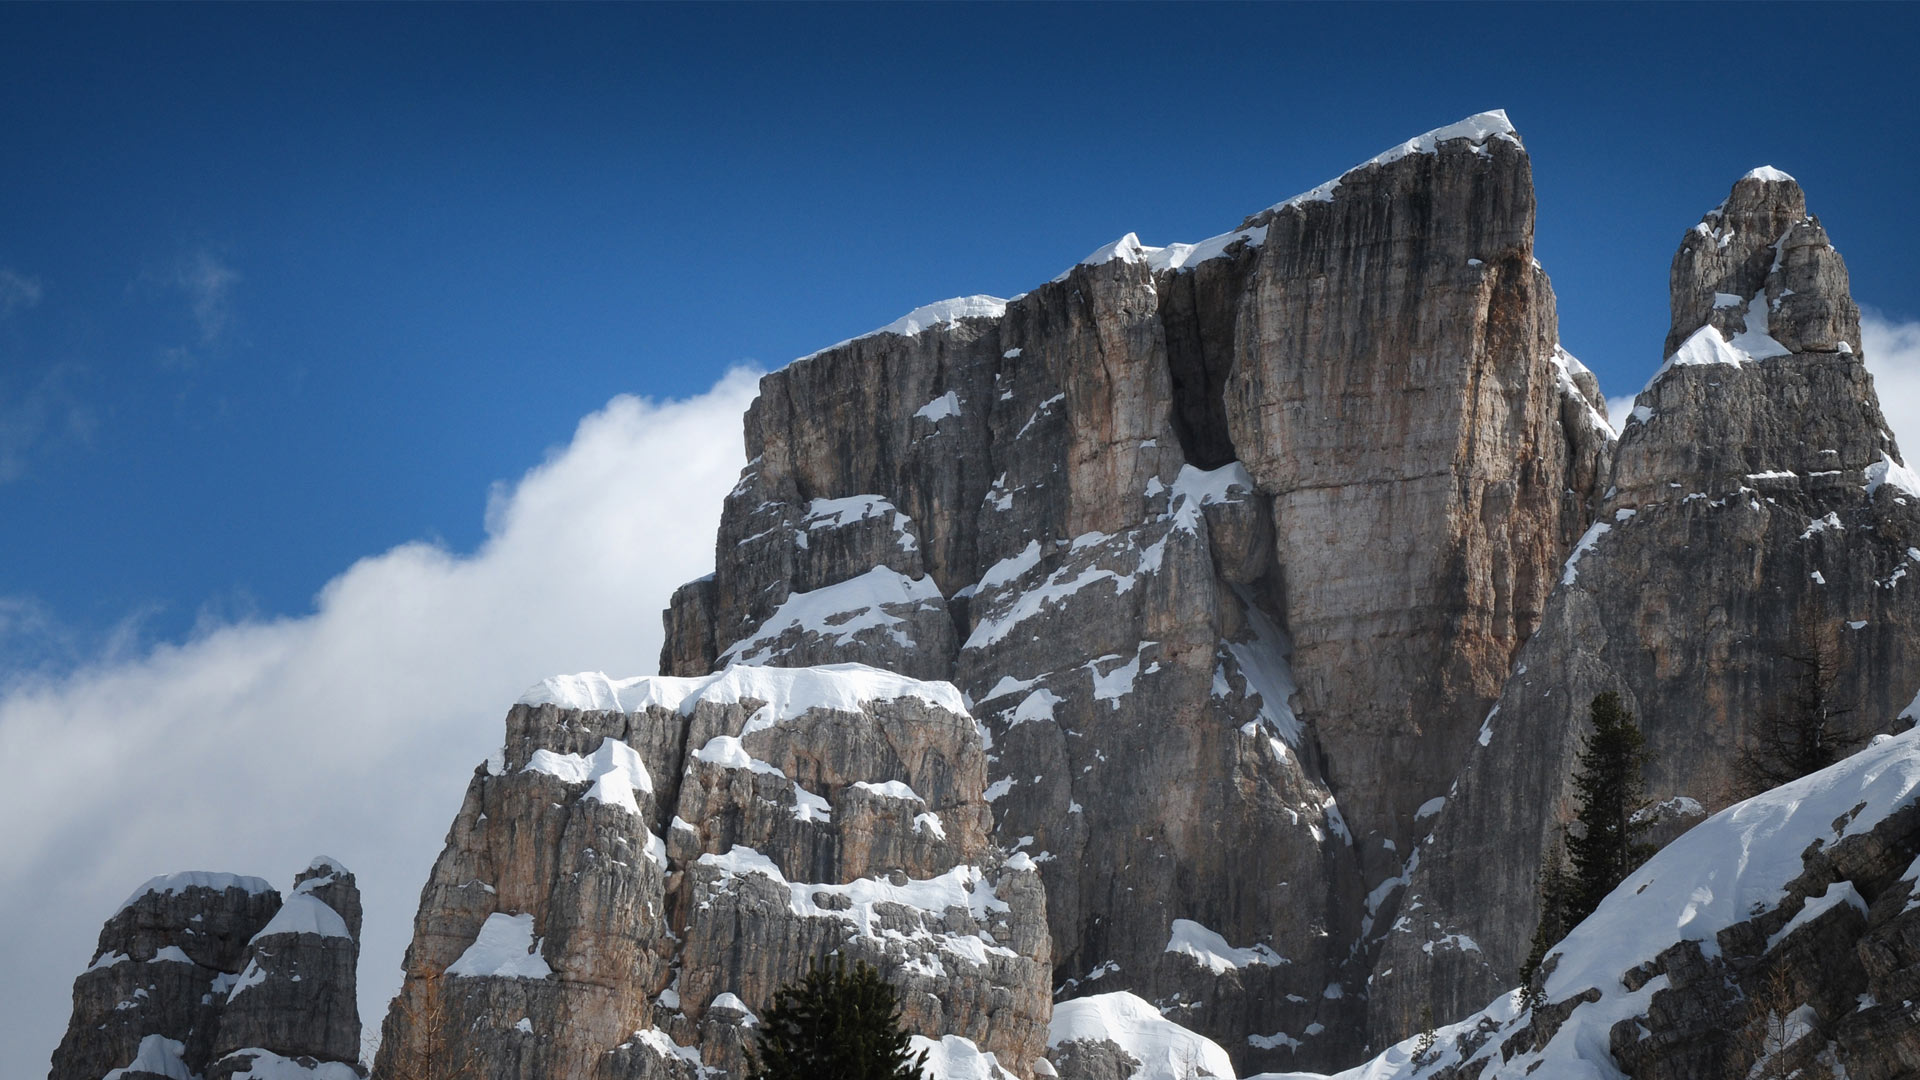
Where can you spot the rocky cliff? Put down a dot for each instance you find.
(648, 860)
(1177, 670)
(1757, 536)
(1231, 545)
(203, 974)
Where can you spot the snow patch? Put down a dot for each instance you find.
(947, 404)
(956, 1058)
(303, 914)
(160, 1056)
(1165, 1050)
(1211, 951)
(505, 948)
(1587, 541)
(615, 771)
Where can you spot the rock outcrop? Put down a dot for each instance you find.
(1756, 548)
(211, 974)
(649, 860)
(1779, 938)
(1231, 545)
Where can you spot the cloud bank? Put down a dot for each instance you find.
(351, 731)
(1891, 349)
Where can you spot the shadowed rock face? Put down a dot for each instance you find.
(1757, 518)
(630, 882)
(1231, 549)
(208, 972)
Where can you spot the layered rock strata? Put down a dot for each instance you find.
(648, 861)
(1757, 546)
(208, 974)
(1231, 546)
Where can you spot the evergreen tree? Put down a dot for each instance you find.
(1557, 889)
(1601, 842)
(836, 1022)
(1804, 732)
(1603, 848)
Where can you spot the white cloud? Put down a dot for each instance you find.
(354, 730)
(1891, 349)
(1618, 409)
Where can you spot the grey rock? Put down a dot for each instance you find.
(1739, 532)
(1346, 455)
(763, 841)
(198, 971)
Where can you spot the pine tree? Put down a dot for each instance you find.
(1557, 889)
(1602, 841)
(837, 1022)
(1804, 732)
(1603, 849)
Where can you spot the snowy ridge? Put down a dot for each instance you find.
(1477, 129)
(786, 692)
(928, 316)
(1769, 174)
(1889, 471)
(195, 879)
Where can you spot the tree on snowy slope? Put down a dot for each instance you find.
(1602, 838)
(1804, 732)
(1602, 844)
(1557, 889)
(835, 1022)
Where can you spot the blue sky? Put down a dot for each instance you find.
(310, 279)
(318, 326)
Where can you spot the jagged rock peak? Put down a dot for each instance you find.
(1476, 130)
(1760, 271)
(1755, 551)
(1763, 378)
(647, 860)
(210, 974)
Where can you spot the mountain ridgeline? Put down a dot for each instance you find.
(1179, 669)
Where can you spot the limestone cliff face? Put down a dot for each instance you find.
(211, 974)
(1230, 545)
(1759, 533)
(647, 862)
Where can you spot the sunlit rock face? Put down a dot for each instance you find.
(646, 862)
(1230, 545)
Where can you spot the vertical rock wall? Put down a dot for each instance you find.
(1758, 519)
(1230, 545)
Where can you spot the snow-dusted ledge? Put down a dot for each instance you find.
(786, 692)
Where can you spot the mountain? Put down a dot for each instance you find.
(1178, 669)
